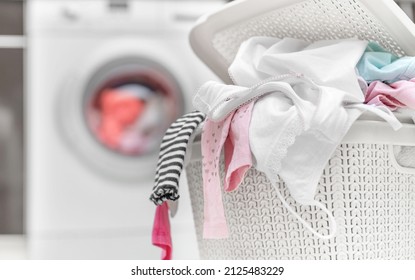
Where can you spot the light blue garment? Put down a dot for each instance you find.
(378, 64)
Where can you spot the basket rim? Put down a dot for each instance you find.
(394, 19)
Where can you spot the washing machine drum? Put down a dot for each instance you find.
(115, 118)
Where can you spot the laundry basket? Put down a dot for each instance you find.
(370, 195)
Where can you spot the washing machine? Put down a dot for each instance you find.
(104, 81)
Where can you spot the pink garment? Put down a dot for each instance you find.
(233, 132)
(238, 157)
(396, 95)
(161, 236)
(213, 137)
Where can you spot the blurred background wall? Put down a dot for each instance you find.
(11, 118)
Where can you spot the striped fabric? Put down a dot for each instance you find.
(171, 157)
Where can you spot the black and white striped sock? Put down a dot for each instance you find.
(171, 157)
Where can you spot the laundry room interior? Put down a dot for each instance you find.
(87, 91)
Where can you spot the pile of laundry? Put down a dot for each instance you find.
(128, 118)
(119, 110)
(291, 104)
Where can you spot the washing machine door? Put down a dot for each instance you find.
(115, 111)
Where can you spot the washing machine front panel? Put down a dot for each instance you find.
(72, 199)
(86, 200)
(72, 202)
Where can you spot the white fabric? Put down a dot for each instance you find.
(309, 96)
(217, 100)
(329, 63)
(212, 95)
(313, 137)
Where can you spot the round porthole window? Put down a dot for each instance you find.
(129, 112)
(116, 115)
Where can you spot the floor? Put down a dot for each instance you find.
(13, 247)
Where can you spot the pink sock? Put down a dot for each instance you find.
(161, 236)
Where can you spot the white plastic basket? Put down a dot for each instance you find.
(371, 197)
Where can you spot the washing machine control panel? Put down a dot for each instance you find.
(93, 15)
(117, 15)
